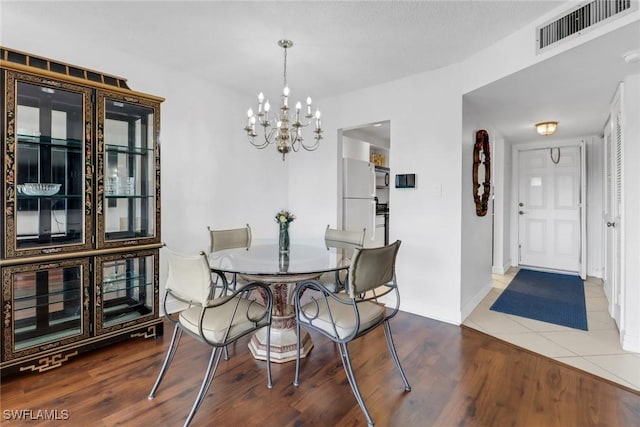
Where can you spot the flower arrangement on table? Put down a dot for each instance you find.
(284, 218)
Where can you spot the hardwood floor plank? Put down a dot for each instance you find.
(459, 377)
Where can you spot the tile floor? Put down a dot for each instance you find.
(597, 351)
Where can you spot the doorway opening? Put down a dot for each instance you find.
(550, 194)
(364, 179)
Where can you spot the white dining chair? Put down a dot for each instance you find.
(345, 241)
(346, 316)
(217, 321)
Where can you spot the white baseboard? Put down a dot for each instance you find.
(501, 269)
(434, 313)
(473, 303)
(630, 342)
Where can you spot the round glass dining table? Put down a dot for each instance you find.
(282, 271)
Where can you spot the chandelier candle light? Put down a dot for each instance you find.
(286, 132)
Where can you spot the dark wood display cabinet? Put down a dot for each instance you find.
(80, 211)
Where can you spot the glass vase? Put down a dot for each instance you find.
(284, 237)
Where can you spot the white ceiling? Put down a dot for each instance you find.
(573, 88)
(339, 46)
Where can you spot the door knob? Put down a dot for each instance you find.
(521, 204)
(521, 212)
(611, 224)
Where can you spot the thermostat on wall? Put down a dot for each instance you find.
(406, 180)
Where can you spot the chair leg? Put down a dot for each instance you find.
(171, 352)
(394, 354)
(226, 353)
(214, 361)
(269, 382)
(296, 381)
(346, 363)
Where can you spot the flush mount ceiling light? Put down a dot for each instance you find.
(286, 130)
(546, 128)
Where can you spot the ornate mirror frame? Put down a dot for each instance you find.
(481, 156)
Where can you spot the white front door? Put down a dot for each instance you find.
(613, 200)
(549, 208)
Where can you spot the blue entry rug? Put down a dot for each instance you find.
(548, 297)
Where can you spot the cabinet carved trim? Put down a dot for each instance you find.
(49, 362)
(151, 332)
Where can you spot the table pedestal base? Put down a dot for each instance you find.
(283, 320)
(283, 341)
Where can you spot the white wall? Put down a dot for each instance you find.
(502, 183)
(477, 231)
(426, 141)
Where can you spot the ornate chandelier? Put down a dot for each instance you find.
(285, 131)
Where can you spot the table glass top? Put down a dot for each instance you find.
(264, 258)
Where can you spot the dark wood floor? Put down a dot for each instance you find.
(460, 377)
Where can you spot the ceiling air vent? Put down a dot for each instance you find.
(580, 19)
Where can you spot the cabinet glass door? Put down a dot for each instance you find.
(47, 182)
(45, 305)
(128, 170)
(126, 291)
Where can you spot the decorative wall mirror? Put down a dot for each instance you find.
(481, 156)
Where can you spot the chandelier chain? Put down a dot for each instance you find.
(285, 67)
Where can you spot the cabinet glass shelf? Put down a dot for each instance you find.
(125, 196)
(115, 285)
(138, 151)
(48, 302)
(126, 287)
(54, 196)
(31, 301)
(69, 144)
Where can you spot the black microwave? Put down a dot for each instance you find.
(382, 177)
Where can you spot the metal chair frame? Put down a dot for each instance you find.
(354, 300)
(347, 240)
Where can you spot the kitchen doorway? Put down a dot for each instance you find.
(366, 180)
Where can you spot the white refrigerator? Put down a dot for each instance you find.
(359, 198)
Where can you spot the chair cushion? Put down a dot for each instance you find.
(216, 319)
(343, 315)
